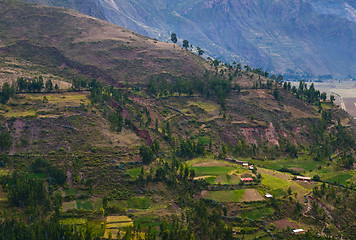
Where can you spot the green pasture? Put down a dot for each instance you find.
(279, 192)
(133, 172)
(274, 182)
(331, 174)
(147, 221)
(227, 179)
(139, 203)
(213, 171)
(257, 213)
(73, 221)
(341, 178)
(225, 196)
(85, 204)
(303, 162)
(210, 161)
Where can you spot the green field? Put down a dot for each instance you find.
(85, 204)
(274, 182)
(225, 196)
(213, 171)
(139, 203)
(279, 192)
(147, 221)
(73, 221)
(341, 178)
(257, 213)
(227, 179)
(133, 172)
(302, 163)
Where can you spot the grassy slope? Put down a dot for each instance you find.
(64, 42)
(78, 138)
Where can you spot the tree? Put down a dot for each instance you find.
(146, 154)
(174, 38)
(316, 178)
(6, 93)
(332, 98)
(49, 85)
(192, 173)
(279, 79)
(185, 44)
(200, 51)
(105, 202)
(5, 140)
(323, 96)
(276, 93)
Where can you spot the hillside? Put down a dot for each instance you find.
(297, 38)
(106, 134)
(66, 42)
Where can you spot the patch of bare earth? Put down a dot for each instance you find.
(252, 195)
(297, 169)
(284, 223)
(204, 193)
(213, 163)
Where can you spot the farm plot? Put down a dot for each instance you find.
(278, 183)
(284, 223)
(212, 171)
(69, 205)
(224, 196)
(257, 213)
(341, 178)
(216, 171)
(251, 195)
(114, 223)
(206, 106)
(301, 164)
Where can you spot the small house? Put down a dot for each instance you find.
(245, 165)
(267, 195)
(298, 231)
(247, 179)
(251, 167)
(301, 178)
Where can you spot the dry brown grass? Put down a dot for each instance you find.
(284, 223)
(251, 195)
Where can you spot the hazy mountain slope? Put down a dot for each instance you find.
(291, 36)
(88, 7)
(64, 41)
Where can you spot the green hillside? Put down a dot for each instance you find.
(106, 134)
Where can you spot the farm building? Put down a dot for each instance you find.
(251, 167)
(267, 195)
(245, 165)
(298, 231)
(301, 178)
(247, 179)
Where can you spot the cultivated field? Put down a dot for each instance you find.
(284, 223)
(251, 195)
(224, 196)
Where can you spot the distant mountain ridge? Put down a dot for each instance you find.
(295, 37)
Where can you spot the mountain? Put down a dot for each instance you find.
(66, 42)
(108, 134)
(299, 38)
